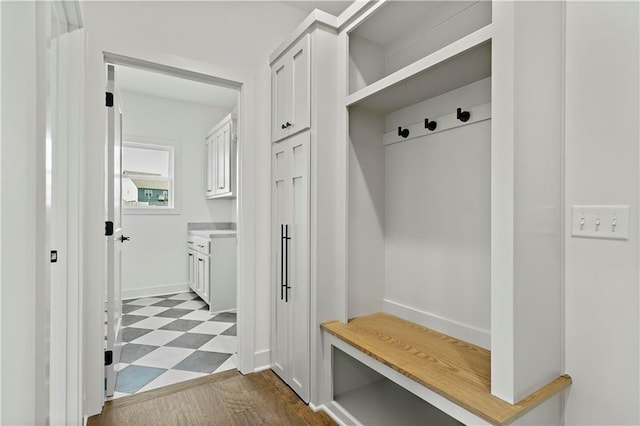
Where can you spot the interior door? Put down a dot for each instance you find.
(114, 242)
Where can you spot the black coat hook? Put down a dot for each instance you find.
(463, 115)
(403, 132)
(431, 125)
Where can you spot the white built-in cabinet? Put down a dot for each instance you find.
(304, 96)
(211, 269)
(452, 189)
(291, 91)
(221, 159)
(198, 257)
(290, 206)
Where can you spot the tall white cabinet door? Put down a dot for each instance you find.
(211, 166)
(300, 80)
(223, 145)
(280, 330)
(290, 201)
(297, 282)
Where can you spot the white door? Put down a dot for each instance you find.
(291, 346)
(114, 241)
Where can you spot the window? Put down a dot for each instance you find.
(147, 177)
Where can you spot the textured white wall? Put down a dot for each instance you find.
(19, 216)
(155, 258)
(602, 291)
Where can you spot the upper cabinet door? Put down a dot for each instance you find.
(300, 86)
(221, 159)
(291, 91)
(211, 167)
(279, 104)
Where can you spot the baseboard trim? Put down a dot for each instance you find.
(135, 293)
(339, 414)
(262, 360)
(455, 329)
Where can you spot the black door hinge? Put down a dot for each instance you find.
(54, 256)
(108, 228)
(109, 100)
(108, 358)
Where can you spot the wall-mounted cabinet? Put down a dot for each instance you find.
(291, 91)
(221, 159)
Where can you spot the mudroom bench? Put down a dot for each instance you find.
(381, 368)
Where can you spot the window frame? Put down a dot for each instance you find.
(173, 147)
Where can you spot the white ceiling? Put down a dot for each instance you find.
(333, 7)
(166, 86)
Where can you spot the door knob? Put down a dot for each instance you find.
(123, 238)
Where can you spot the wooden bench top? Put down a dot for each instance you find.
(454, 369)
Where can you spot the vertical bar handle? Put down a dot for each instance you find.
(286, 263)
(281, 262)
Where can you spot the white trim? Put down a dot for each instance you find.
(262, 360)
(135, 293)
(175, 151)
(456, 329)
(316, 17)
(245, 83)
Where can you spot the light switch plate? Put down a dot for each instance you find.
(608, 222)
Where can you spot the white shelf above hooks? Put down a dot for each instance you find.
(445, 122)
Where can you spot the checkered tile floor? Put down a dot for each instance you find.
(169, 339)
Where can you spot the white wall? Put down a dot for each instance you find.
(154, 260)
(18, 238)
(602, 291)
(231, 40)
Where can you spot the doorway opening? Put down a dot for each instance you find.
(174, 315)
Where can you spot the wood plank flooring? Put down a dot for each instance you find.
(457, 370)
(227, 398)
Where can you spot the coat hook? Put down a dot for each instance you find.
(431, 125)
(403, 132)
(463, 115)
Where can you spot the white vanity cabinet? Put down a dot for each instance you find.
(221, 159)
(198, 254)
(211, 265)
(291, 91)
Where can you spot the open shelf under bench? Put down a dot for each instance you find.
(457, 370)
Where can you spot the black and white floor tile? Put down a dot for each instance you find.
(170, 339)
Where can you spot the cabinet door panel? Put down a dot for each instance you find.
(191, 261)
(211, 167)
(299, 262)
(280, 218)
(300, 97)
(223, 157)
(279, 103)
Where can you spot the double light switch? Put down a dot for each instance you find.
(610, 222)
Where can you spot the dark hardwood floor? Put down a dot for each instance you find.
(227, 398)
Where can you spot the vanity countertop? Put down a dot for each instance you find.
(214, 233)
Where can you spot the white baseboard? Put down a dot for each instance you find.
(339, 414)
(134, 293)
(262, 360)
(455, 329)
